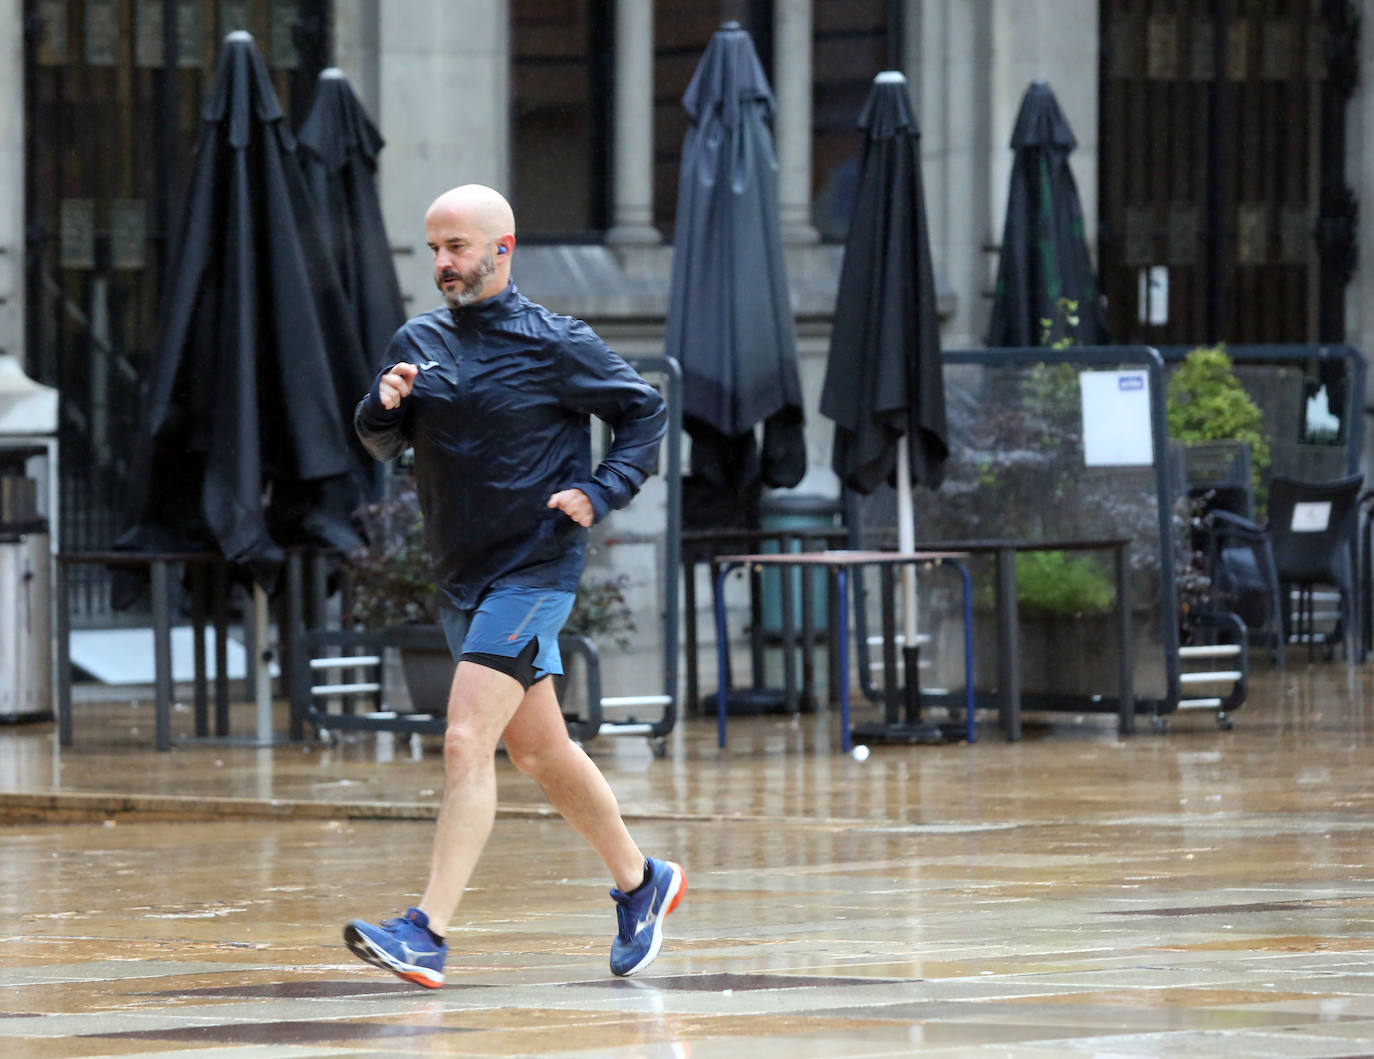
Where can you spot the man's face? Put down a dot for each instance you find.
(464, 261)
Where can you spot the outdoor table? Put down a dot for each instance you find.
(704, 546)
(209, 580)
(1008, 629)
(159, 567)
(839, 564)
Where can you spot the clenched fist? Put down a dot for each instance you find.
(574, 504)
(396, 384)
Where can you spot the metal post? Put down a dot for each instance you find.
(1125, 677)
(789, 636)
(64, 665)
(162, 656)
(262, 655)
(1008, 645)
(293, 648)
(196, 573)
(219, 606)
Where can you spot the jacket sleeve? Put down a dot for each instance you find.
(598, 382)
(384, 432)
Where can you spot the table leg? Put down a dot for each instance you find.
(64, 664)
(970, 723)
(1008, 645)
(162, 656)
(1125, 673)
(891, 706)
(842, 590)
(722, 656)
(689, 608)
(196, 575)
(789, 641)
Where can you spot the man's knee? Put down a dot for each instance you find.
(464, 745)
(547, 754)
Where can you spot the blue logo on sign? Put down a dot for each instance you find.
(1130, 382)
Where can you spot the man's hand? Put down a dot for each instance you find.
(395, 384)
(574, 504)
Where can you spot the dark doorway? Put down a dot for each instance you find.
(113, 91)
(1224, 214)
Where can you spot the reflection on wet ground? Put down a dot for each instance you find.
(1197, 893)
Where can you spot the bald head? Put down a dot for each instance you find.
(471, 232)
(484, 208)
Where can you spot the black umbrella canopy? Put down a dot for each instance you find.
(730, 316)
(243, 448)
(338, 148)
(1046, 288)
(883, 382)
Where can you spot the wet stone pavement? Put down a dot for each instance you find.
(1200, 893)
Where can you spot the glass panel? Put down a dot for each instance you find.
(1017, 470)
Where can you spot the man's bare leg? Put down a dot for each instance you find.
(537, 741)
(481, 704)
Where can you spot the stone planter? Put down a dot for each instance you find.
(426, 665)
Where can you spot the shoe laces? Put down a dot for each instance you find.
(399, 923)
(624, 914)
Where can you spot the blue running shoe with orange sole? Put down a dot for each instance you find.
(641, 913)
(402, 946)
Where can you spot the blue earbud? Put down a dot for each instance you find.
(500, 249)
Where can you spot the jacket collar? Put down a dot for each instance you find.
(494, 308)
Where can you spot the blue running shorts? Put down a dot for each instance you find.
(513, 630)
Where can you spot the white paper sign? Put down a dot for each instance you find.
(1116, 418)
(1311, 516)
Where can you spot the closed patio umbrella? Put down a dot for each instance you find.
(339, 146)
(883, 383)
(243, 447)
(1046, 291)
(884, 386)
(730, 318)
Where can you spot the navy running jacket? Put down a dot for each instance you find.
(500, 421)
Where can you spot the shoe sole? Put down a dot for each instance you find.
(675, 892)
(363, 947)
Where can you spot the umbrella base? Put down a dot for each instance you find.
(918, 732)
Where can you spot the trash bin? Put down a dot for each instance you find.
(25, 624)
(781, 512)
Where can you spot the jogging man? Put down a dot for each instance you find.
(494, 393)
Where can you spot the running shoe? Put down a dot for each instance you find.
(402, 946)
(641, 913)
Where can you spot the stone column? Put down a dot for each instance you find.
(792, 125)
(632, 220)
(444, 108)
(357, 27)
(12, 180)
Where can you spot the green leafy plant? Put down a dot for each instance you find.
(1054, 582)
(1056, 332)
(1206, 402)
(392, 584)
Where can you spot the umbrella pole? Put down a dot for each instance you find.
(262, 676)
(906, 542)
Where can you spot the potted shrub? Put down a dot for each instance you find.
(1206, 402)
(394, 595)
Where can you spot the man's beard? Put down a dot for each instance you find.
(472, 285)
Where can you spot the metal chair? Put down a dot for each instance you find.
(1240, 557)
(1239, 552)
(1312, 525)
(1219, 471)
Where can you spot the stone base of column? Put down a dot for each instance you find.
(633, 235)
